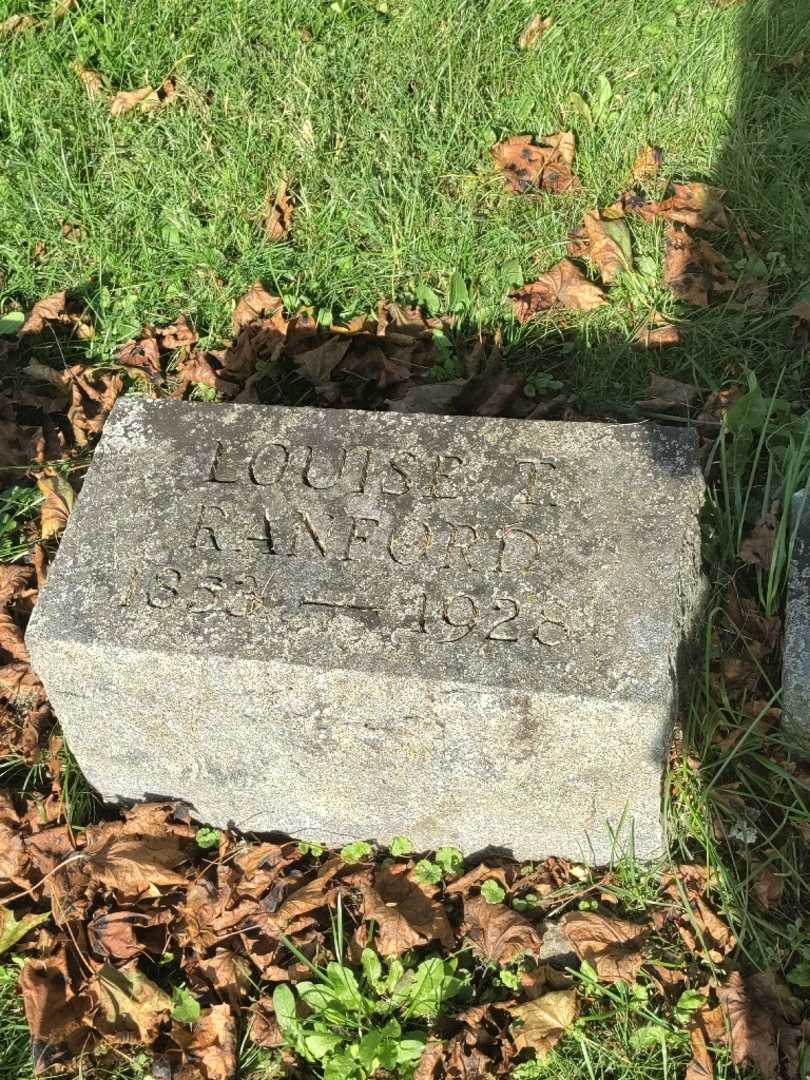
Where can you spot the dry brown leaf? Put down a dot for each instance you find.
(758, 547)
(647, 164)
(694, 270)
(531, 167)
(664, 393)
(11, 638)
(93, 81)
(564, 286)
(257, 303)
(57, 1014)
(278, 214)
(51, 308)
(318, 364)
(768, 887)
(13, 579)
(752, 1031)
(534, 30)
(697, 205)
(146, 98)
(405, 913)
(497, 933)
(263, 1027)
(606, 242)
(177, 335)
(56, 507)
(701, 1066)
(658, 334)
(16, 24)
(129, 1007)
(613, 947)
(543, 1022)
(142, 357)
(135, 866)
(112, 936)
(209, 1049)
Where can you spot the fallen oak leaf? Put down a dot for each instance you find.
(278, 214)
(546, 166)
(613, 947)
(543, 1021)
(564, 285)
(534, 30)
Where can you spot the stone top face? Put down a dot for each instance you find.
(480, 551)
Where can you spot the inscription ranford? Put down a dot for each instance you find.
(348, 625)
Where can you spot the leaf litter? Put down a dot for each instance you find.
(96, 911)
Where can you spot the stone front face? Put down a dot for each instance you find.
(796, 669)
(346, 625)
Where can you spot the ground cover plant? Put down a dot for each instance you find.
(486, 209)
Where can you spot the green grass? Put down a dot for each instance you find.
(381, 117)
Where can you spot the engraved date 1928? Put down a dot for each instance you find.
(435, 619)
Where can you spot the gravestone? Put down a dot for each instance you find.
(796, 666)
(343, 625)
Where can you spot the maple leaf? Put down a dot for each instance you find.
(697, 205)
(606, 242)
(405, 913)
(13, 929)
(145, 98)
(664, 393)
(257, 303)
(59, 499)
(693, 269)
(534, 30)
(55, 1011)
(564, 286)
(752, 1032)
(113, 937)
(142, 357)
(612, 946)
(543, 1021)
(546, 166)
(209, 1049)
(129, 1007)
(278, 214)
(135, 866)
(52, 308)
(498, 933)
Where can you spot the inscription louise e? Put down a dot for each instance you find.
(419, 520)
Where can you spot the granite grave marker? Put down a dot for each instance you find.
(345, 625)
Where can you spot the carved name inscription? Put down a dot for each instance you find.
(417, 518)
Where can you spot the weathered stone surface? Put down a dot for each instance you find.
(339, 624)
(796, 666)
